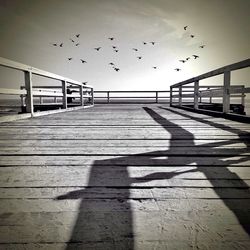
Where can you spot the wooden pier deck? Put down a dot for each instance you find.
(125, 177)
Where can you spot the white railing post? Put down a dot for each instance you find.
(226, 92)
(29, 96)
(64, 91)
(196, 94)
(180, 96)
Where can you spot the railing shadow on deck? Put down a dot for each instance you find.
(114, 227)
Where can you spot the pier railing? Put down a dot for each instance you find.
(64, 91)
(197, 92)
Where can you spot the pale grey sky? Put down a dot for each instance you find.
(28, 29)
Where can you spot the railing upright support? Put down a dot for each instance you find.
(226, 92)
(171, 96)
(196, 94)
(156, 97)
(81, 95)
(108, 96)
(243, 96)
(180, 96)
(29, 96)
(64, 91)
(92, 96)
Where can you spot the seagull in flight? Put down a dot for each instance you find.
(72, 40)
(111, 64)
(78, 35)
(77, 44)
(185, 27)
(83, 61)
(177, 69)
(139, 57)
(114, 47)
(202, 46)
(183, 61)
(135, 49)
(111, 38)
(154, 67)
(195, 56)
(97, 49)
(144, 43)
(61, 44)
(116, 69)
(192, 36)
(84, 83)
(116, 50)
(54, 44)
(70, 58)
(153, 43)
(187, 58)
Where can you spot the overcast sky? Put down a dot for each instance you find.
(29, 28)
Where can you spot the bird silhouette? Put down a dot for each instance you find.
(153, 43)
(187, 58)
(177, 69)
(70, 58)
(83, 61)
(54, 44)
(116, 69)
(78, 35)
(111, 64)
(192, 36)
(84, 83)
(111, 38)
(61, 44)
(77, 44)
(154, 67)
(139, 57)
(98, 48)
(135, 49)
(183, 61)
(114, 47)
(202, 46)
(116, 50)
(144, 43)
(195, 56)
(71, 40)
(185, 27)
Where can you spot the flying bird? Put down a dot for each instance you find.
(84, 83)
(70, 58)
(78, 35)
(61, 44)
(183, 61)
(187, 58)
(111, 38)
(192, 36)
(54, 44)
(139, 57)
(111, 64)
(153, 43)
(202, 46)
(116, 50)
(185, 27)
(195, 56)
(135, 49)
(177, 69)
(114, 47)
(97, 49)
(154, 67)
(72, 40)
(77, 44)
(83, 61)
(116, 69)
(144, 43)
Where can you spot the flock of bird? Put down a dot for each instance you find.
(75, 42)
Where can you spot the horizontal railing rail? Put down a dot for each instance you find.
(197, 91)
(29, 91)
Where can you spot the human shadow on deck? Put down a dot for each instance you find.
(105, 218)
